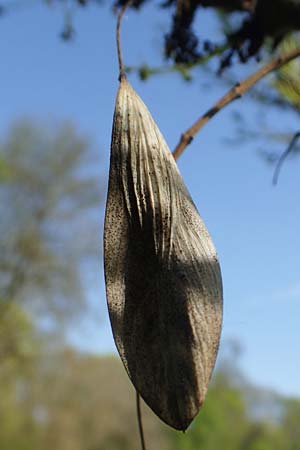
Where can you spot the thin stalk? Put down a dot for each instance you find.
(140, 423)
(118, 36)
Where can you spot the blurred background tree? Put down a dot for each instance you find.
(50, 195)
(50, 213)
(69, 400)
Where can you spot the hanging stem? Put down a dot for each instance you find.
(139, 418)
(119, 49)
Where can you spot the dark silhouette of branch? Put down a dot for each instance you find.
(236, 92)
(283, 157)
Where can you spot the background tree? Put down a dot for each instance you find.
(69, 400)
(252, 31)
(19, 350)
(50, 198)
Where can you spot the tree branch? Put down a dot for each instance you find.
(236, 92)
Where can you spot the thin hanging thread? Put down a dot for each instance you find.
(119, 49)
(139, 418)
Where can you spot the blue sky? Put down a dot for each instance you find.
(255, 227)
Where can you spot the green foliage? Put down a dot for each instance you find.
(17, 346)
(225, 410)
(239, 416)
(290, 421)
(49, 192)
(70, 401)
(4, 171)
(287, 81)
(18, 355)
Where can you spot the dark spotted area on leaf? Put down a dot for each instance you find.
(163, 280)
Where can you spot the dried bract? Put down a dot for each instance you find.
(163, 279)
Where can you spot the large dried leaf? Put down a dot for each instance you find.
(163, 280)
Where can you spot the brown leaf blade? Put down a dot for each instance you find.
(163, 280)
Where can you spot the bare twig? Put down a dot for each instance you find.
(118, 35)
(236, 92)
(140, 423)
(283, 157)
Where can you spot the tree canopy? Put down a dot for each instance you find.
(68, 400)
(247, 25)
(50, 192)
